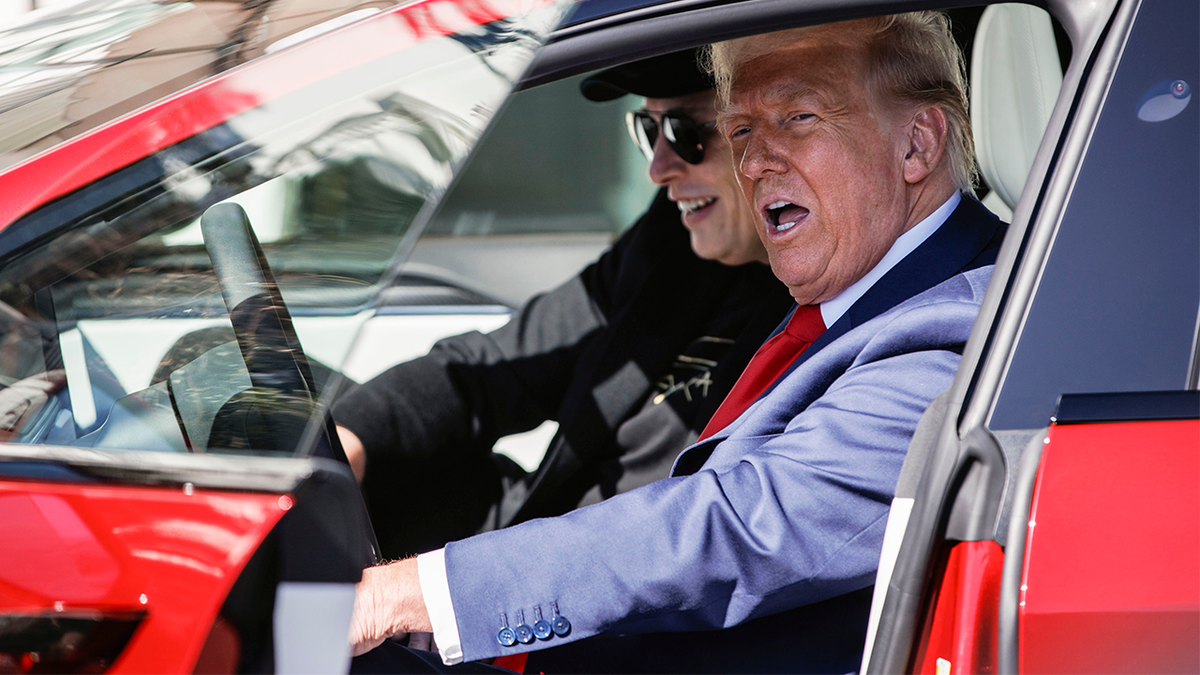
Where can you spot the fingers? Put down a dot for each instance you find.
(387, 601)
(366, 629)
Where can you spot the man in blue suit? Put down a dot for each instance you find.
(852, 146)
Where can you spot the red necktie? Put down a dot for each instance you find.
(769, 363)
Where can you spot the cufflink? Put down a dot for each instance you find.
(506, 636)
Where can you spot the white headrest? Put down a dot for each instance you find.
(1015, 78)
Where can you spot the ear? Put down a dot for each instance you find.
(926, 144)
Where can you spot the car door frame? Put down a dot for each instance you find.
(948, 495)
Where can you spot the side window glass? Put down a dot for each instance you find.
(1116, 306)
(121, 329)
(556, 172)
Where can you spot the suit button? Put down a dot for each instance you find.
(542, 629)
(524, 634)
(507, 637)
(561, 626)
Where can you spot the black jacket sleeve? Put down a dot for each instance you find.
(472, 389)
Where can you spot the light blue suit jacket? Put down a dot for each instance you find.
(785, 507)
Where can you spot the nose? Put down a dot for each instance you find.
(760, 157)
(665, 165)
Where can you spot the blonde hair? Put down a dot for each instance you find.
(912, 58)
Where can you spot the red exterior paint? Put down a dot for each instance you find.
(964, 629)
(514, 662)
(88, 547)
(1112, 560)
(85, 158)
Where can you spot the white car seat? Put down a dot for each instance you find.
(1015, 79)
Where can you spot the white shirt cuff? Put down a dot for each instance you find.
(435, 587)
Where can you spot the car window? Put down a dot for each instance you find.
(579, 172)
(554, 181)
(1115, 308)
(117, 323)
(556, 174)
(73, 65)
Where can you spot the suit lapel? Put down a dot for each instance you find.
(970, 238)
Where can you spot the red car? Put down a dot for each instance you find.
(203, 203)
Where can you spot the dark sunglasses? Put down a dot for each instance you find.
(683, 134)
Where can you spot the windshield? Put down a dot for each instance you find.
(70, 66)
(120, 326)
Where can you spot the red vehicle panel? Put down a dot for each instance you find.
(962, 634)
(1116, 593)
(168, 553)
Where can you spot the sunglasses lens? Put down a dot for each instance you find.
(644, 132)
(684, 136)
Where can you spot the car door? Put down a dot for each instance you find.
(178, 288)
(1055, 526)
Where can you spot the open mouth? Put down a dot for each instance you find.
(688, 206)
(782, 216)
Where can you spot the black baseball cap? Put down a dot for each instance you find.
(666, 76)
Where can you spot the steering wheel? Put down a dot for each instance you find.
(275, 412)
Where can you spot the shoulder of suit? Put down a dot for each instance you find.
(968, 286)
(956, 299)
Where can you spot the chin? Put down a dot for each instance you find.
(802, 290)
(722, 255)
(703, 248)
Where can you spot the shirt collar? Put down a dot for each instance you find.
(834, 308)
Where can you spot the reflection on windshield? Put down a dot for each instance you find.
(67, 69)
(115, 327)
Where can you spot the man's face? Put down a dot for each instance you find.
(711, 205)
(820, 160)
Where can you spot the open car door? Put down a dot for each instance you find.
(179, 287)
(1048, 520)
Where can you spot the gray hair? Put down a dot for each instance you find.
(912, 58)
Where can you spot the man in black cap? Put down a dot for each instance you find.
(631, 357)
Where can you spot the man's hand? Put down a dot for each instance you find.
(354, 452)
(388, 601)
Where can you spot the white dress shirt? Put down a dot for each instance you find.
(431, 567)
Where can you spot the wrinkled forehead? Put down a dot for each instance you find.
(824, 64)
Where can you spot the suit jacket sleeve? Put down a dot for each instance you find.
(788, 510)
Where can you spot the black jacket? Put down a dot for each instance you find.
(593, 355)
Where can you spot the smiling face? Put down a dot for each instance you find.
(827, 167)
(719, 221)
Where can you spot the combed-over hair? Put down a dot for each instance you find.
(912, 58)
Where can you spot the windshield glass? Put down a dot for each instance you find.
(70, 66)
(129, 322)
